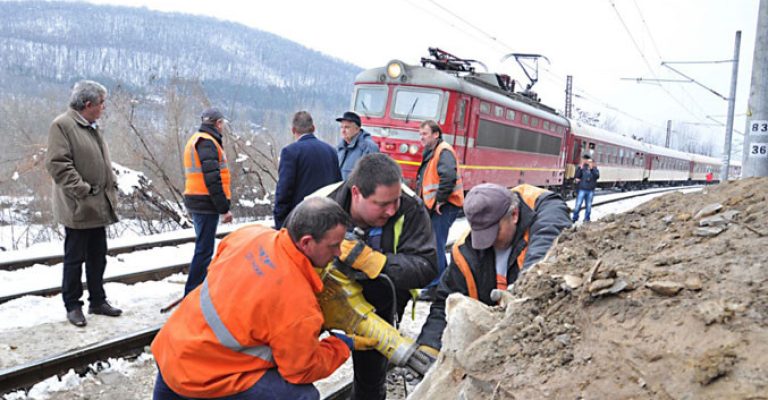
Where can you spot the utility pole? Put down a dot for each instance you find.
(569, 97)
(667, 142)
(731, 106)
(755, 154)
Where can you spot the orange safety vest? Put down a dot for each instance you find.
(256, 310)
(193, 171)
(431, 180)
(529, 194)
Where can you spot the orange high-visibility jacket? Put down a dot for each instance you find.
(529, 194)
(256, 310)
(194, 183)
(431, 181)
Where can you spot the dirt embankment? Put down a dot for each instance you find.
(668, 301)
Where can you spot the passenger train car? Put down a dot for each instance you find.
(502, 136)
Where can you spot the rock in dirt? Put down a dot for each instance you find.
(715, 364)
(710, 209)
(665, 288)
(708, 232)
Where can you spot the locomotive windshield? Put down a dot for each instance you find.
(412, 103)
(371, 100)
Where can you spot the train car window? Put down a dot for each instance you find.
(497, 135)
(485, 108)
(498, 111)
(534, 122)
(511, 115)
(417, 104)
(461, 109)
(545, 125)
(525, 119)
(371, 100)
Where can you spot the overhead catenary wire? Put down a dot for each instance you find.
(553, 76)
(647, 63)
(660, 58)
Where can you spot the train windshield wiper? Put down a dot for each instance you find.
(413, 106)
(365, 108)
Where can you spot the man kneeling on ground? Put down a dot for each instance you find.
(250, 330)
(510, 231)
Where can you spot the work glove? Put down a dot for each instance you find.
(358, 255)
(356, 342)
(502, 297)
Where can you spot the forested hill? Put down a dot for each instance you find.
(57, 43)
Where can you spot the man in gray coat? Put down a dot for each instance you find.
(354, 143)
(85, 198)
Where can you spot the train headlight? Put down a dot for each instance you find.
(414, 149)
(403, 148)
(395, 69)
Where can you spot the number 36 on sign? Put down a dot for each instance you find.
(758, 150)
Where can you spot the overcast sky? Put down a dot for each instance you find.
(596, 41)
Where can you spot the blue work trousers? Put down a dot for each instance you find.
(584, 197)
(271, 386)
(205, 241)
(441, 225)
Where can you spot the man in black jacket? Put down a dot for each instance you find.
(586, 178)
(207, 191)
(397, 252)
(511, 230)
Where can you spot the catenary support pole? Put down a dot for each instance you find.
(755, 154)
(731, 106)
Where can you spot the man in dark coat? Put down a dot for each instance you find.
(305, 166)
(85, 198)
(396, 242)
(586, 178)
(511, 230)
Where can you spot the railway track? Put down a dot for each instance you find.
(13, 263)
(26, 375)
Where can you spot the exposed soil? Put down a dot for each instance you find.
(668, 301)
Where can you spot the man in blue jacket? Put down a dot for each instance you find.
(354, 143)
(586, 178)
(305, 166)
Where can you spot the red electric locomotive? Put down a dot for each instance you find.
(499, 136)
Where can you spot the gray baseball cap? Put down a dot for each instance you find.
(484, 207)
(211, 115)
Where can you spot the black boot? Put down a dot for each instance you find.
(76, 317)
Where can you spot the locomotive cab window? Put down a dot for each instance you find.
(417, 104)
(371, 100)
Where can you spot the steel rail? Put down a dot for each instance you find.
(26, 375)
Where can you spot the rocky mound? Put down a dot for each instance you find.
(668, 301)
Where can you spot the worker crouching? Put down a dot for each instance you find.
(251, 330)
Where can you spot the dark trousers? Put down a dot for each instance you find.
(89, 246)
(370, 366)
(584, 196)
(271, 386)
(441, 225)
(205, 240)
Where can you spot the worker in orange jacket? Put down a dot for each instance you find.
(250, 330)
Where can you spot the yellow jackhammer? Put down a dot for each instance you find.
(345, 308)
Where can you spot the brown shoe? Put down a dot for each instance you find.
(76, 317)
(105, 309)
